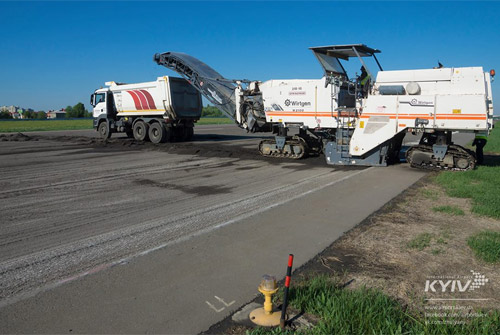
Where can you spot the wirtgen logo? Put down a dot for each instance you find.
(289, 102)
(456, 283)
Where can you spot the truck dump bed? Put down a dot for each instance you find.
(170, 96)
(185, 99)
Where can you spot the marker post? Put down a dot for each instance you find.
(285, 296)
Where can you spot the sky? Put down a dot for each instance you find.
(55, 54)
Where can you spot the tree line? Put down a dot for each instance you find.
(211, 111)
(79, 111)
(76, 111)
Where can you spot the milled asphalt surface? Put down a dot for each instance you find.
(120, 237)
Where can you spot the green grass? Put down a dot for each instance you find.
(481, 185)
(215, 120)
(420, 242)
(452, 210)
(44, 125)
(441, 241)
(493, 144)
(20, 126)
(436, 251)
(486, 245)
(366, 311)
(429, 194)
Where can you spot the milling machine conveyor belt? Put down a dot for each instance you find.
(206, 80)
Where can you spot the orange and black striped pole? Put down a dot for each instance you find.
(287, 286)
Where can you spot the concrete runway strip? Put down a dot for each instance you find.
(121, 237)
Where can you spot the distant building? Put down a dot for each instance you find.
(61, 114)
(15, 111)
(24, 110)
(10, 109)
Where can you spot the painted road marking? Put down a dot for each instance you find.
(215, 309)
(227, 305)
(218, 310)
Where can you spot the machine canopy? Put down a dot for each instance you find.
(329, 56)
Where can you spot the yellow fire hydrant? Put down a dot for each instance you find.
(264, 316)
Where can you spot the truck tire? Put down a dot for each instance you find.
(176, 134)
(157, 133)
(103, 130)
(189, 133)
(141, 131)
(169, 134)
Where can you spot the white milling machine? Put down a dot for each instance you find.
(350, 121)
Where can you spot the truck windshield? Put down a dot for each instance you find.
(100, 97)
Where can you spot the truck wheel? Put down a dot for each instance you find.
(157, 133)
(189, 133)
(141, 131)
(103, 130)
(169, 137)
(177, 134)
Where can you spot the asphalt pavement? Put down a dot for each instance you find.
(120, 237)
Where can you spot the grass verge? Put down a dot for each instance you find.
(420, 242)
(486, 245)
(215, 120)
(44, 125)
(493, 144)
(481, 185)
(20, 126)
(369, 311)
(447, 209)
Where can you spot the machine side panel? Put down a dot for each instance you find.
(469, 80)
(414, 75)
(461, 112)
(411, 108)
(377, 124)
(296, 101)
(489, 97)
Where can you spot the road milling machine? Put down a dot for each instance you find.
(357, 120)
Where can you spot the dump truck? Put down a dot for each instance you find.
(354, 120)
(159, 111)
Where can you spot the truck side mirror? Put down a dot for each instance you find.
(92, 97)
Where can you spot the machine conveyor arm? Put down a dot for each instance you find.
(206, 80)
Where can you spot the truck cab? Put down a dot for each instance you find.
(98, 102)
(102, 103)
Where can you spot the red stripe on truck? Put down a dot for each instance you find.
(149, 98)
(142, 98)
(136, 99)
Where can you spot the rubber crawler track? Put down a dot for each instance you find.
(285, 154)
(455, 150)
